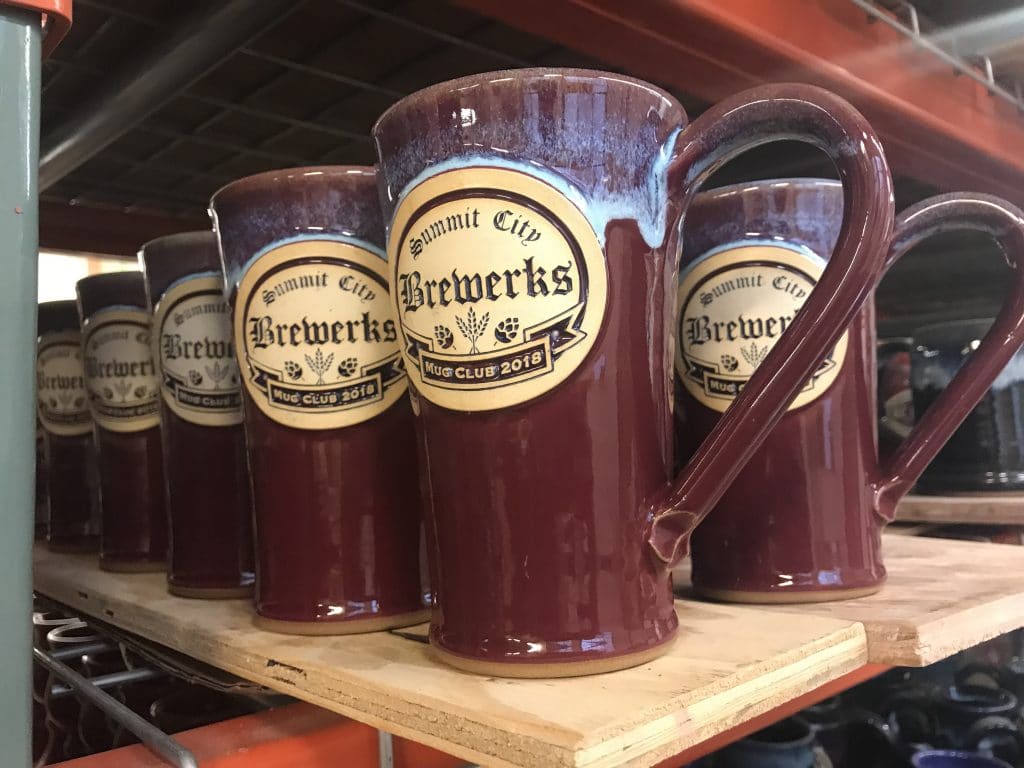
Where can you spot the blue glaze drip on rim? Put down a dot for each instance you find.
(235, 275)
(646, 205)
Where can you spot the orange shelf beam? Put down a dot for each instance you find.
(937, 127)
(289, 736)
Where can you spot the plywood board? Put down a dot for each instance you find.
(729, 665)
(990, 509)
(942, 596)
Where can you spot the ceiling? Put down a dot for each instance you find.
(306, 90)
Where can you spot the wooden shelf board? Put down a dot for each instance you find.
(942, 596)
(730, 665)
(983, 510)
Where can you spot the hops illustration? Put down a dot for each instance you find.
(140, 392)
(507, 330)
(53, 402)
(730, 363)
(473, 327)
(195, 378)
(754, 354)
(108, 393)
(79, 401)
(319, 364)
(294, 370)
(444, 336)
(348, 366)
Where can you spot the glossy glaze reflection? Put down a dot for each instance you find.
(545, 517)
(207, 478)
(803, 520)
(801, 517)
(337, 511)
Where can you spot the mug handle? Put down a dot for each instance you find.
(751, 118)
(1005, 223)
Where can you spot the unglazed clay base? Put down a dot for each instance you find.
(779, 598)
(210, 593)
(132, 567)
(349, 627)
(551, 669)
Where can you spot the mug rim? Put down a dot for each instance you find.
(525, 73)
(190, 237)
(289, 174)
(797, 182)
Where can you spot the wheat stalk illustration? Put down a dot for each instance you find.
(754, 354)
(123, 388)
(319, 364)
(473, 328)
(217, 372)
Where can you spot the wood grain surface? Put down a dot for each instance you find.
(729, 665)
(990, 509)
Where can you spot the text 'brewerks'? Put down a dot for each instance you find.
(60, 385)
(318, 340)
(500, 287)
(120, 373)
(198, 374)
(734, 305)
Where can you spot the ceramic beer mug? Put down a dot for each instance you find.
(63, 409)
(328, 426)
(208, 504)
(124, 392)
(533, 256)
(802, 521)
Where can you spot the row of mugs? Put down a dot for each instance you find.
(521, 265)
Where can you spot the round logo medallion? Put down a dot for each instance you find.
(198, 374)
(734, 305)
(500, 287)
(119, 371)
(60, 385)
(319, 345)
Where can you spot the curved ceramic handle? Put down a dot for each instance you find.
(1005, 223)
(751, 118)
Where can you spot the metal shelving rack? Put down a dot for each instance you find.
(946, 115)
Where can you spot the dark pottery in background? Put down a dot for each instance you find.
(851, 737)
(895, 396)
(329, 429)
(802, 522)
(70, 480)
(949, 758)
(786, 744)
(544, 415)
(123, 392)
(986, 453)
(208, 503)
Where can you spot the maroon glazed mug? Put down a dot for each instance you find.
(533, 252)
(802, 521)
(124, 393)
(208, 502)
(63, 410)
(328, 426)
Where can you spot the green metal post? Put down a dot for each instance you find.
(20, 38)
